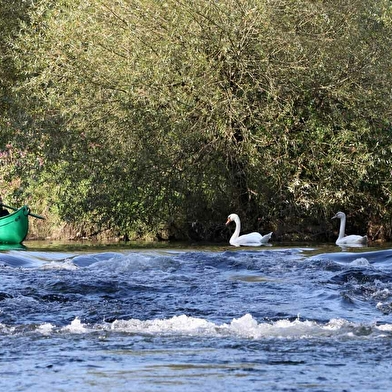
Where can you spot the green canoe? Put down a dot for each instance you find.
(14, 227)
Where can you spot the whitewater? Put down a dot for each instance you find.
(271, 318)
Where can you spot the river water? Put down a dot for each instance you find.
(195, 319)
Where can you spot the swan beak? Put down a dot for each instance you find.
(228, 221)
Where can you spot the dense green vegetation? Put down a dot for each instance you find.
(136, 117)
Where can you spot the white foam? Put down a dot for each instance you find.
(75, 327)
(360, 262)
(177, 324)
(385, 327)
(45, 329)
(243, 327)
(384, 307)
(337, 324)
(382, 294)
(248, 327)
(64, 265)
(136, 262)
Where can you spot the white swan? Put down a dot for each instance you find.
(251, 239)
(349, 239)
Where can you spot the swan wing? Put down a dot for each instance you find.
(352, 239)
(251, 239)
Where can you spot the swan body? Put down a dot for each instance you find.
(251, 239)
(347, 239)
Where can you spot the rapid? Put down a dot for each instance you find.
(196, 319)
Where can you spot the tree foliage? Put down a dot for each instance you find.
(146, 114)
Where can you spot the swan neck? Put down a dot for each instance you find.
(342, 227)
(237, 229)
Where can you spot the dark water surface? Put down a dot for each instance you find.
(195, 319)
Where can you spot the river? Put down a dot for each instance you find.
(188, 318)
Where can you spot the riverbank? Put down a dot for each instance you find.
(283, 232)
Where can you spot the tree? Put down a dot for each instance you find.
(153, 114)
